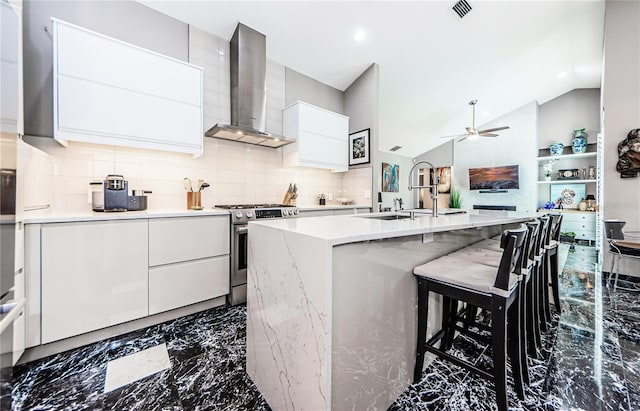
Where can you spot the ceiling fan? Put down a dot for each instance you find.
(472, 133)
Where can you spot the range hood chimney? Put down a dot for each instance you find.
(248, 59)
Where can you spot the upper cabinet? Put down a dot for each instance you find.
(321, 137)
(107, 91)
(11, 67)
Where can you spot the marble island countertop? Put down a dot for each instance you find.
(363, 227)
(50, 216)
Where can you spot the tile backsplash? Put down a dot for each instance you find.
(237, 173)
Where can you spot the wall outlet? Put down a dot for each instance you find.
(367, 194)
(329, 196)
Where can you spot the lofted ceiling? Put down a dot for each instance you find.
(432, 63)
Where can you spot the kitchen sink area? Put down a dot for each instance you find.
(404, 214)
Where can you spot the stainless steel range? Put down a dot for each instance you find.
(241, 214)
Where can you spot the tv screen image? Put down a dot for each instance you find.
(494, 178)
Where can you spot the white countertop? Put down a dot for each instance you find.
(49, 216)
(331, 207)
(354, 228)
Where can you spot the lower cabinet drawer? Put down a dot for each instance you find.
(585, 234)
(177, 285)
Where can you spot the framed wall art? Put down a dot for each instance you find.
(359, 150)
(569, 195)
(390, 178)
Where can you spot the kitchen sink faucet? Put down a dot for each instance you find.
(433, 188)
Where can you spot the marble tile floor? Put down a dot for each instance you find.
(591, 361)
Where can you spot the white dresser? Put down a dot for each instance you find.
(581, 223)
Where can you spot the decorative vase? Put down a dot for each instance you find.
(582, 205)
(579, 142)
(547, 178)
(556, 148)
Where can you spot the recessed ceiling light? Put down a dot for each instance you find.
(562, 74)
(360, 35)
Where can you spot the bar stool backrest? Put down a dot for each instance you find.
(613, 229)
(532, 240)
(556, 222)
(544, 229)
(512, 255)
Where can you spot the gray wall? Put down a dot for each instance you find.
(304, 88)
(557, 118)
(621, 102)
(361, 104)
(621, 105)
(125, 20)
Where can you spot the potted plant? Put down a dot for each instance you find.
(454, 200)
(322, 199)
(567, 236)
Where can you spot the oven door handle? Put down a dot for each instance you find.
(242, 230)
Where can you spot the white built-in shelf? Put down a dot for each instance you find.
(567, 156)
(566, 181)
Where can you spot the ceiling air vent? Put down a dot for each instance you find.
(395, 148)
(461, 8)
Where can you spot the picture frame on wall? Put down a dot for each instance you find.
(359, 150)
(569, 195)
(390, 178)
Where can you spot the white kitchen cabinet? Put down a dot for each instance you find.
(583, 224)
(174, 240)
(176, 285)
(110, 92)
(334, 211)
(35, 177)
(188, 261)
(94, 275)
(321, 137)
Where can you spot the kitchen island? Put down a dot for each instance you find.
(331, 304)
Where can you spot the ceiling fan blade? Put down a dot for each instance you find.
(470, 130)
(489, 130)
(488, 135)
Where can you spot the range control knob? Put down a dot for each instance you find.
(285, 212)
(294, 212)
(238, 214)
(249, 214)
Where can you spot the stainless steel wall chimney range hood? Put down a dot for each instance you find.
(248, 59)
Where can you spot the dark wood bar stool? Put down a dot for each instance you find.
(542, 288)
(529, 329)
(483, 286)
(552, 258)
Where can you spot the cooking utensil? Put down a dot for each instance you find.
(199, 184)
(187, 184)
(203, 186)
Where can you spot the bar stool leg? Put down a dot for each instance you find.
(522, 328)
(514, 346)
(555, 279)
(533, 321)
(541, 300)
(545, 284)
(499, 342)
(423, 299)
(447, 321)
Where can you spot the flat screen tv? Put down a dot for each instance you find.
(494, 178)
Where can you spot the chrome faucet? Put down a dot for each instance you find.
(433, 188)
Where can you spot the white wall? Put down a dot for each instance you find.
(621, 105)
(515, 146)
(238, 173)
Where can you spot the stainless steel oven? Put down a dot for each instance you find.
(241, 214)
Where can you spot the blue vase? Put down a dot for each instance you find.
(579, 143)
(556, 148)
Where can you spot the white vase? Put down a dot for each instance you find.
(547, 178)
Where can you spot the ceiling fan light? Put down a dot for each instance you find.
(474, 136)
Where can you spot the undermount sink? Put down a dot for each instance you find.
(387, 216)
